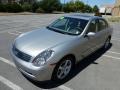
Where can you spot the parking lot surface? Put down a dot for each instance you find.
(99, 71)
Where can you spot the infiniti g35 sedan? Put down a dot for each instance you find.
(51, 52)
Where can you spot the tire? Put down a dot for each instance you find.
(63, 69)
(107, 43)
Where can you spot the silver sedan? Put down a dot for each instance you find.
(51, 52)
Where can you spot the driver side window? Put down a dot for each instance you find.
(92, 27)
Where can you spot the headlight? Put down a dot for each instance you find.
(42, 58)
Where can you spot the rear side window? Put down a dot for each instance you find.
(102, 24)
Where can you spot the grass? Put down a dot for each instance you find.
(114, 19)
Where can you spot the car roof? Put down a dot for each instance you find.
(83, 16)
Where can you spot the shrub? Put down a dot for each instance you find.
(8, 7)
(27, 7)
(35, 6)
(13, 8)
(2, 8)
(39, 10)
(16, 7)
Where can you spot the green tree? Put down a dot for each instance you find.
(79, 6)
(95, 9)
(50, 5)
(87, 8)
(69, 7)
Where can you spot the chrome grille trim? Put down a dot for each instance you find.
(23, 56)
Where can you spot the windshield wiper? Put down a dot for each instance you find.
(50, 28)
(66, 33)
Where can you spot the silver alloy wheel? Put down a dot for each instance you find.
(107, 43)
(64, 69)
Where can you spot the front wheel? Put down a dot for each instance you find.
(107, 43)
(63, 69)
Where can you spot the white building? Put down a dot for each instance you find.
(102, 10)
(106, 9)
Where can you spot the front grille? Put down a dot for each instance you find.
(21, 55)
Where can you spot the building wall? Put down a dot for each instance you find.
(117, 2)
(106, 9)
(116, 9)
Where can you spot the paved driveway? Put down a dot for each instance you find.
(100, 71)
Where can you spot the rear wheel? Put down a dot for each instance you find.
(63, 69)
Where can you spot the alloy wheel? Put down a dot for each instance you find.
(64, 69)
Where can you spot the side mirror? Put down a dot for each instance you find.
(90, 34)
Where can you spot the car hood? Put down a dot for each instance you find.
(36, 41)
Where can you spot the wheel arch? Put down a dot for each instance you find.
(68, 55)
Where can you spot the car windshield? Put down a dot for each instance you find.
(67, 25)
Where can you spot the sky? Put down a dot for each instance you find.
(95, 2)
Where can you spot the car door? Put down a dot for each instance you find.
(90, 44)
(102, 32)
(82, 45)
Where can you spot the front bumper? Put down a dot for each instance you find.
(42, 73)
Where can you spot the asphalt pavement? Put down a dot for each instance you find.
(99, 71)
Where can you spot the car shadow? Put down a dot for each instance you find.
(91, 59)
